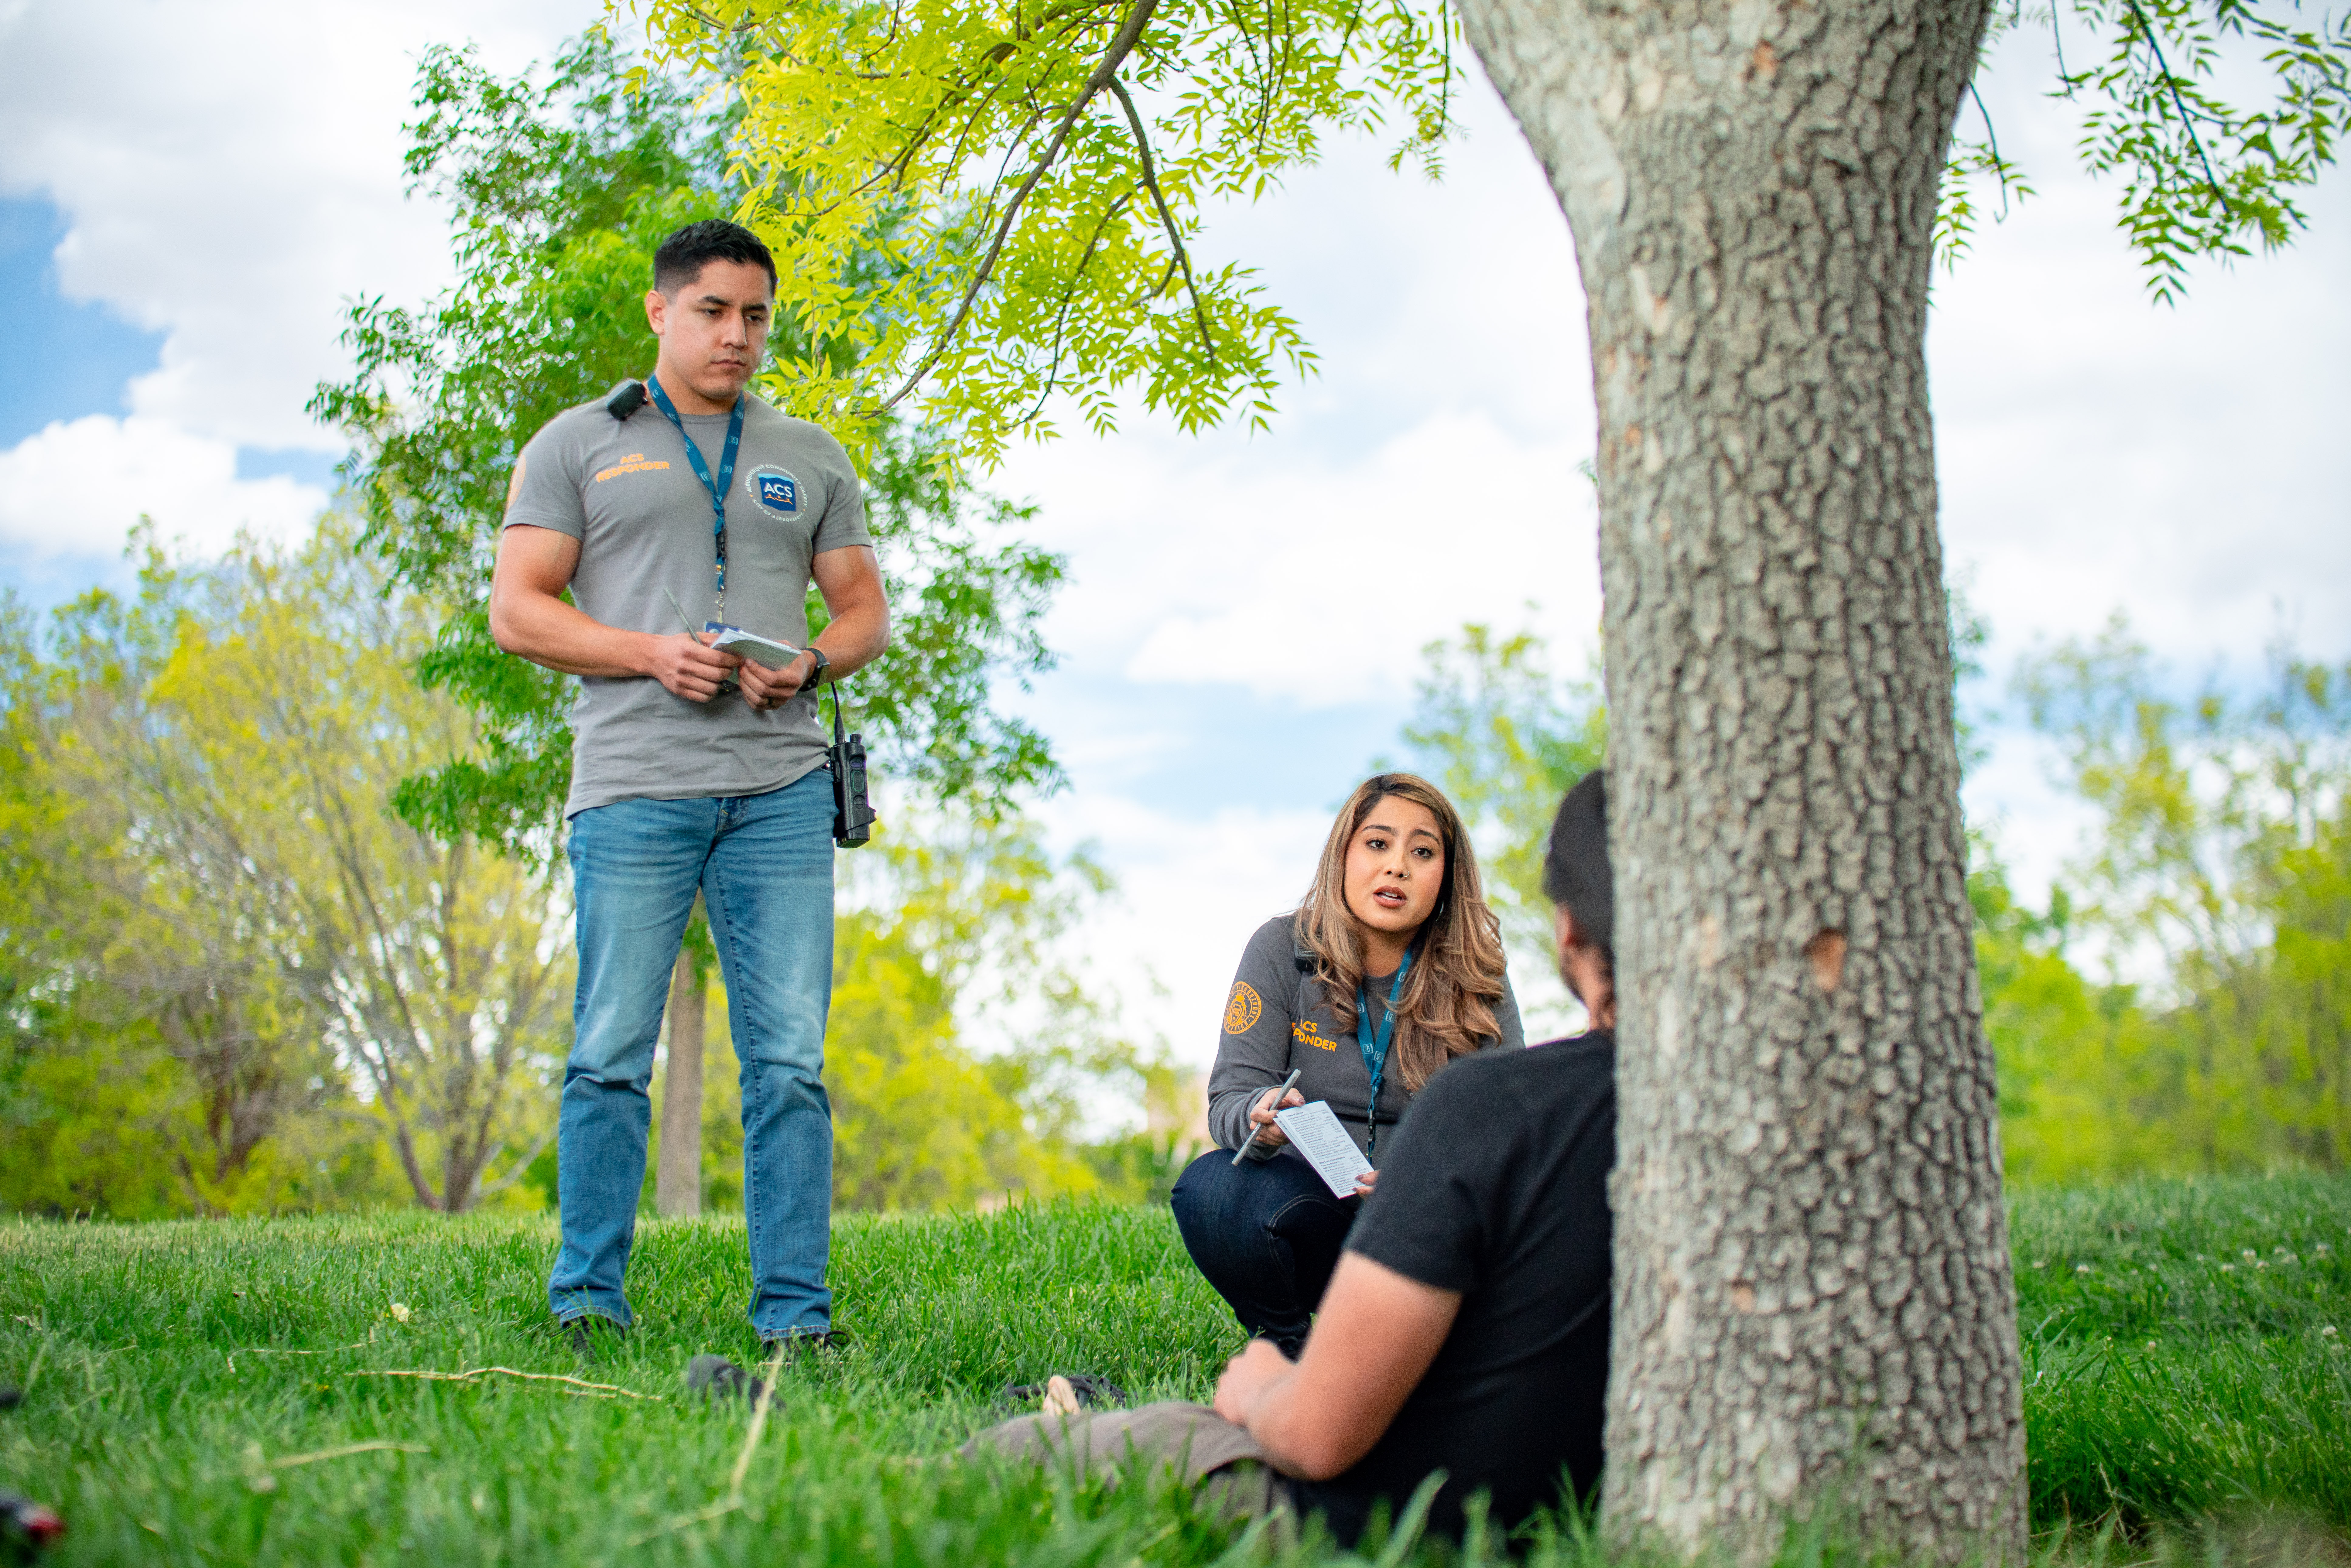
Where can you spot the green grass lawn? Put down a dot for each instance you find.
(2179, 1365)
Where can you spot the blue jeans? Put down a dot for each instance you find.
(1266, 1233)
(764, 866)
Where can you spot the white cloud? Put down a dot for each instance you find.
(1314, 580)
(76, 489)
(1191, 889)
(230, 174)
(2099, 451)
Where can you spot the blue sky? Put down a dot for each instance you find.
(64, 357)
(188, 197)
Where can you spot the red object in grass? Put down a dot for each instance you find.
(26, 1527)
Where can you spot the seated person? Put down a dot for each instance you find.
(1467, 1328)
(1390, 967)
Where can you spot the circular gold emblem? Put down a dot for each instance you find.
(1244, 1008)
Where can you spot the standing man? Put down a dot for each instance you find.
(693, 769)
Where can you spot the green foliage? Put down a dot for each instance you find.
(2217, 115)
(1034, 181)
(2225, 853)
(2074, 1103)
(1504, 738)
(559, 193)
(232, 980)
(173, 1373)
(245, 943)
(980, 205)
(947, 918)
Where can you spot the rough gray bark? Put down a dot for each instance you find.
(677, 1179)
(1814, 1299)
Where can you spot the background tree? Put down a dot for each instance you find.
(1812, 1283)
(965, 1059)
(1505, 736)
(2224, 857)
(559, 193)
(228, 742)
(2176, 1005)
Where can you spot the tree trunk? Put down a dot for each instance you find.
(677, 1182)
(1813, 1304)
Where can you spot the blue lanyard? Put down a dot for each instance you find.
(717, 487)
(1375, 1048)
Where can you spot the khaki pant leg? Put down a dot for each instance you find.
(1198, 1444)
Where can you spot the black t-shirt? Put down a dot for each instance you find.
(1497, 1188)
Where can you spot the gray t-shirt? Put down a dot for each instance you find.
(1276, 1018)
(627, 492)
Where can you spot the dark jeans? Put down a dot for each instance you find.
(1266, 1233)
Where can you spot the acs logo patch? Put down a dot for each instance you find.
(1243, 1009)
(776, 489)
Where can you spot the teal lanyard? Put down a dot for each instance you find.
(1375, 1048)
(717, 487)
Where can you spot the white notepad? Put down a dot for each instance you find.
(1318, 1135)
(764, 651)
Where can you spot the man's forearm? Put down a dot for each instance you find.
(1272, 1421)
(854, 639)
(563, 637)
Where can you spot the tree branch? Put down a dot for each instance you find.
(1167, 219)
(1129, 35)
(1999, 165)
(2186, 122)
(1061, 315)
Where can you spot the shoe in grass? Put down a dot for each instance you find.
(583, 1330)
(795, 1343)
(716, 1378)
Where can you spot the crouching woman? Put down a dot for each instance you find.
(1391, 969)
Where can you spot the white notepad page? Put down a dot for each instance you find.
(1325, 1145)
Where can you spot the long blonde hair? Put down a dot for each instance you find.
(1456, 978)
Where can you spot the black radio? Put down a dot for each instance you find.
(853, 811)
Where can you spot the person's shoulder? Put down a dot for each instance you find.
(1274, 937)
(1269, 957)
(772, 422)
(1545, 1080)
(573, 426)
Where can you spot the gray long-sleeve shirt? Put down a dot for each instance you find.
(1276, 1019)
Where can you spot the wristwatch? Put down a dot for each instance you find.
(816, 676)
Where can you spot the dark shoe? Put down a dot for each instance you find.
(579, 1331)
(797, 1342)
(716, 1378)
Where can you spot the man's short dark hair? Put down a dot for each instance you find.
(683, 256)
(1575, 863)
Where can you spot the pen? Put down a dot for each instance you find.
(1287, 1085)
(681, 621)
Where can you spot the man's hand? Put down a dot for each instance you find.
(1248, 1376)
(1373, 1340)
(764, 688)
(1269, 1131)
(688, 668)
(1364, 1183)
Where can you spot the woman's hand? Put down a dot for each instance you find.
(1269, 1131)
(1364, 1183)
